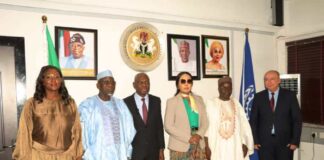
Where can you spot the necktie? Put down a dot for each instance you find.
(272, 102)
(144, 109)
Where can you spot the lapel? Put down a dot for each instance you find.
(150, 109)
(280, 102)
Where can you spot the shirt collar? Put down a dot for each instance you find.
(275, 93)
(137, 96)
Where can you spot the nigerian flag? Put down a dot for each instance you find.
(52, 56)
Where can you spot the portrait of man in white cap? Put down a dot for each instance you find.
(107, 124)
(184, 57)
(77, 58)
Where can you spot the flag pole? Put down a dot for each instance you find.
(247, 84)
(247, 30)
(52, 57)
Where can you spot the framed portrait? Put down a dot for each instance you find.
(215, 56)
(76, 50)
(183, 55)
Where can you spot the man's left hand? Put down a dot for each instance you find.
(161, 156)
(292, 147)
(245, 150)
(208, 152)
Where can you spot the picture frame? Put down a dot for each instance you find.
(76, 50)
(217, 65)
(183, 55)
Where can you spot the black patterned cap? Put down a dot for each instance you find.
(77, 38)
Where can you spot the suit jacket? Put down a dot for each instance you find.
(177, 125)
(286, 118)
(149, 138)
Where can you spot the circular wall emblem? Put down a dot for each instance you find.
(140, 47)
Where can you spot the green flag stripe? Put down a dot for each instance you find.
(174, 40)
(206, 43)
(52, 56)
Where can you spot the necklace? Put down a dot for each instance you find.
(227, 119)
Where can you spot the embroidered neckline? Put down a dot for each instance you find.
(227, 119)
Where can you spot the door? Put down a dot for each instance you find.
(12, 90)
(8, 103)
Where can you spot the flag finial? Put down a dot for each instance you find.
(247, 30)
(44, 19)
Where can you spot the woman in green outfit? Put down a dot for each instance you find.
(186, 121)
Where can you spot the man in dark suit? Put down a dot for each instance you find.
(148, 143)
(275, 120)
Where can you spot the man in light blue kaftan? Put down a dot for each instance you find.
(107, 124)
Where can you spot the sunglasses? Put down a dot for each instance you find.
(183, 81)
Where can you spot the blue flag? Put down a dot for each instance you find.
(247, 90)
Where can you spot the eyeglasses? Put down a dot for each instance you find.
(183, 81)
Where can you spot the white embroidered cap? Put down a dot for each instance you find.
(103, 74)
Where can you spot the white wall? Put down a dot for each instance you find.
(25, 22)
(251, 12)
(303, 17)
